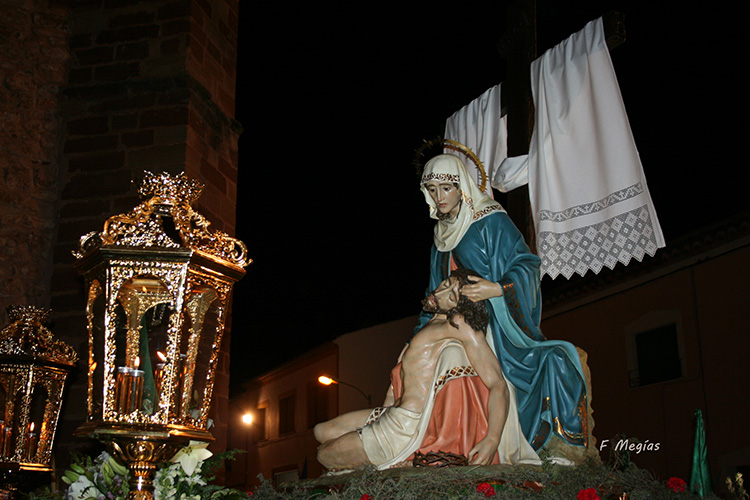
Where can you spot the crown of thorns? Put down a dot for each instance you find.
(419, 156)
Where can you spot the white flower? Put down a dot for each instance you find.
(82, 488)
(191, 456)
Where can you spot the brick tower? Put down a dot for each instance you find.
(92, 93)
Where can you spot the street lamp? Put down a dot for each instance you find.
(326, 380)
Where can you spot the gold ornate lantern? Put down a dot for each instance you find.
(33, 369)
(159, 283)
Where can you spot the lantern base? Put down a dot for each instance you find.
(16, 481)
(141, 449)
(141, 454)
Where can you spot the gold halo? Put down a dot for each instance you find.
(455, 146)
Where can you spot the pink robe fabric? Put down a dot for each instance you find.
(459, 418)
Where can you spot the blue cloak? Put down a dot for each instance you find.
(547, 374)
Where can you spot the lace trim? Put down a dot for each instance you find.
(440, 177)
(485, 211)
(375, 414)
(626, 236)
(455, 372)
(594, 206)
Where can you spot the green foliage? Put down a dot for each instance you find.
(549, 481)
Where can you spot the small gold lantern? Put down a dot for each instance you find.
(158, 283)
(33, 369)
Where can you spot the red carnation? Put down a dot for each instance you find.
(676, 484)
(588, 494)
(366, 497)
(486, 489)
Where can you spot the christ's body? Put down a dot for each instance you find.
(342, 446)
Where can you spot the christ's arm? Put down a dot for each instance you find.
(487, 367)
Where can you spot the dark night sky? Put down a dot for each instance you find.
(334, 103)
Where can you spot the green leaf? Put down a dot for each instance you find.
(117, 467)
(71, 476)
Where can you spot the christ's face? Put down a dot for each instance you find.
(444, 298)
(446, 195)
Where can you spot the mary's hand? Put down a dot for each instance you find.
(481, 289)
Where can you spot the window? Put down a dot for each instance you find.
(657, 356)
(286, 413)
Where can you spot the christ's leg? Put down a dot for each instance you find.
(337, 427)
(345, 452)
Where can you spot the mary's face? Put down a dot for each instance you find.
(446, 196)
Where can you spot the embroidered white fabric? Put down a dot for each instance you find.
(591, 204)
(480, 126)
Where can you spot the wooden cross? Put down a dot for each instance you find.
(518, 47)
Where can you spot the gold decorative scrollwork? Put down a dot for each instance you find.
(26, 335)
(170, 197)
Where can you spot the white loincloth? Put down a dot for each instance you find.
(392, 434)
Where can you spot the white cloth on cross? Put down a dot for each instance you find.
(587, 188)
(481, 127)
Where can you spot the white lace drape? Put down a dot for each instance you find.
(587, 189)
(591, 204)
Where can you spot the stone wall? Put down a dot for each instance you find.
(33, 56)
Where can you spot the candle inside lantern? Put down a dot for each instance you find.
(122, 389)
(2, 435)
(129, 388)
(7, 439)
(136, 391)
(31, 443)
(159, 372)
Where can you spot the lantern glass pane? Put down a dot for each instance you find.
(199, 337)
(96, 346)
(37, 410)
(5, 423)
(142, 321)
(184, 374)
(155, 334)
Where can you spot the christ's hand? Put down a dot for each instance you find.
(483, 452)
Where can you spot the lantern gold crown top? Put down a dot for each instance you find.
(170, 190)
(26, 336)
(167, 196)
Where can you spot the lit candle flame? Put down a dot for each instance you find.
(137, 362)
(161, 355)
(31, 427)
(93, 367)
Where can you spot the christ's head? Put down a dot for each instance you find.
(447, 299)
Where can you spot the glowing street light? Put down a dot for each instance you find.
(326, 380)
(247, 418)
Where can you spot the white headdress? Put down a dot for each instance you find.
(474, 203)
